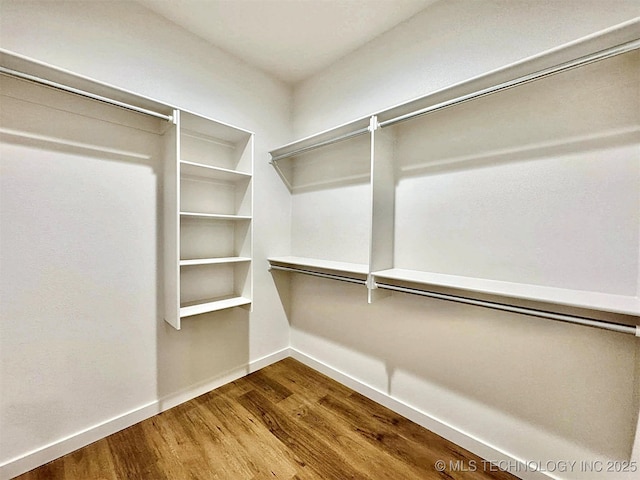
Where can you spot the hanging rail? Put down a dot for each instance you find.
(525, 311)
(318, 274)
(83, 93)
(563, 67)
(324, 143)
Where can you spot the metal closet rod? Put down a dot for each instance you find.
(525, 311)
(318, 274)
(562, 67)
(83, 93)
(324, 143)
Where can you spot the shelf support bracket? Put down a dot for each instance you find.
(373, 124)
(373, 292)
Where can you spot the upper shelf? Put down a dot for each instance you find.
(14, 61)
(204, 143)
(325, 266)
(598, 42)
(214, 216)
(215, 173)
(213, 261)
(622, 304)
(327, 137)
(213, 129)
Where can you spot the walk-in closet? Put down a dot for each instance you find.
(320, 239)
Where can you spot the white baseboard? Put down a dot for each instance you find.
(469, 442)
(63, 446)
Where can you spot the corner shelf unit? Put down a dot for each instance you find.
(208, 218)
(496, 191)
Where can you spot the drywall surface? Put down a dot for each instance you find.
(535, 389)
(448, 42)
(87, 343)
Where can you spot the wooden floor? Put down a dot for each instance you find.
(286, 421)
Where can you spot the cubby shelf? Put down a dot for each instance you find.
(214, 216)
(213, 261)
(215, 173)
(212, 305)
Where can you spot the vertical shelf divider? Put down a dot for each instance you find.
(171, 227)
(382, 206)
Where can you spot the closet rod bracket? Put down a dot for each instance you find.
(373, 123)
(318, 274)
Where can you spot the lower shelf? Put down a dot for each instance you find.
(212, 305)
(626, 305)
(213, 261)
(322, 265)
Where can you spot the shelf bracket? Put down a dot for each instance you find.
(373, 123)
(373, 292)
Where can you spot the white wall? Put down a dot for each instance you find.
(93, 345)
(535, 389)
(449, 41)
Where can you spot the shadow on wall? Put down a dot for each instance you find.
(282, 281)
(575, 382)
(339, 165)
(206, 348)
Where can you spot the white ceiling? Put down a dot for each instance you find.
(291, 39)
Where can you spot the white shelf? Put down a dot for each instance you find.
(217, 173)
(212, 305)
(208, 197)
(627, 305)
(213, 261)
(214, 216)
(315, 263)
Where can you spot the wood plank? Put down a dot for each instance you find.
(94, 461)
(303, 380)
(366, 457)
(403, 446)
(252, 442)
(275, 391)
(312, 451)
(401, 438)
(132, 455)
